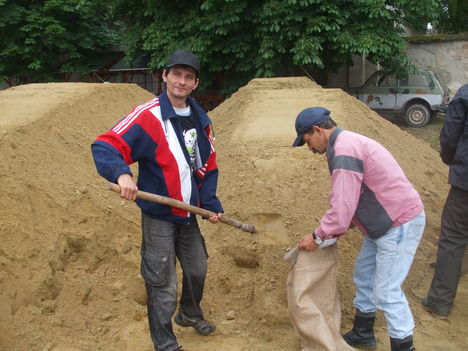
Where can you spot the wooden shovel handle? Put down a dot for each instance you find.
(186, 207)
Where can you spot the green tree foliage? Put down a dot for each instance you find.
(265, 38)
(42, 37)
(453, 16)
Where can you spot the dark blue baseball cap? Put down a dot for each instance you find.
(184, 57)
(308, 118)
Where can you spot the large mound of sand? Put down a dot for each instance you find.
(69, 258)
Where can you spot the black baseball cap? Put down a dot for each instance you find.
(183, 57)
(308, 118)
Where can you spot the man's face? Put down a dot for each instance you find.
(316, 142)
(180, 81)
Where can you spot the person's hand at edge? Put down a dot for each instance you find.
(128, 188)
(215, 218)
(307, 243)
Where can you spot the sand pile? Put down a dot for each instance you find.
(69, 258)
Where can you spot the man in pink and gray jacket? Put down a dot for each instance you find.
(369, 191)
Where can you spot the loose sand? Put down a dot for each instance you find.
(69, 252)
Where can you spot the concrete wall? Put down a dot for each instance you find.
(450, 58)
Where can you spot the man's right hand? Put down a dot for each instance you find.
(128, 188)
(307, 243)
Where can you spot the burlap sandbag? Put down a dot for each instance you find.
(314, 301)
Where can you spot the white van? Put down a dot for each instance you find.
(417, 97)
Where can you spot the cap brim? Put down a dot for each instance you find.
(182, 64)
(299, 141)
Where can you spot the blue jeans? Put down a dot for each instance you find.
(380, 270)
(163, 242)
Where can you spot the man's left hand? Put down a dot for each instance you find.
(307, 243)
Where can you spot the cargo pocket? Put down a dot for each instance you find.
(155, 268)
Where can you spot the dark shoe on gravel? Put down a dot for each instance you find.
(405, 344)
(362, 335)
(202, 326)
(433, 310)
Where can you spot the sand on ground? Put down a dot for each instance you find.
(69, 253)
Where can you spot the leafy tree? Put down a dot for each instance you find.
(39, 38)
(264, 38)
(453, 16)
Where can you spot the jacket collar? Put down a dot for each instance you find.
(332, 139)
(167, 111)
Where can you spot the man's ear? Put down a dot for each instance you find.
(164, 76)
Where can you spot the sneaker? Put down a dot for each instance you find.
(202, 326)
(427, 307)
(179, 349)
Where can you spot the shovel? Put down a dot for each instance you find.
(186, 207)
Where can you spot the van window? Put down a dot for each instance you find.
(381, 79)
(416, 80)
(387, 81)
(372, 82)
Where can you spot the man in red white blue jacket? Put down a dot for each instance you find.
(369, 191)
(170, 138)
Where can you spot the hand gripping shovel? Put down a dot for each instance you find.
(186, 207)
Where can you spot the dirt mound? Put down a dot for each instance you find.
(69, 259)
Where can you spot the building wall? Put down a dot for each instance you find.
(350, 76)
(450, 58)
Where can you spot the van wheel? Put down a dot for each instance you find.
(417, 115)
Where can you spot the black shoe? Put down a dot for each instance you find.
(202, 326)
(436, 313)
(405, 344)
(362, 334)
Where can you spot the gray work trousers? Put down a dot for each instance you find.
(452, 244)
(162, 243)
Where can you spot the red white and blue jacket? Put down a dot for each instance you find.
(152, 136)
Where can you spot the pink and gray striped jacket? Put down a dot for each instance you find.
(369, 188)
